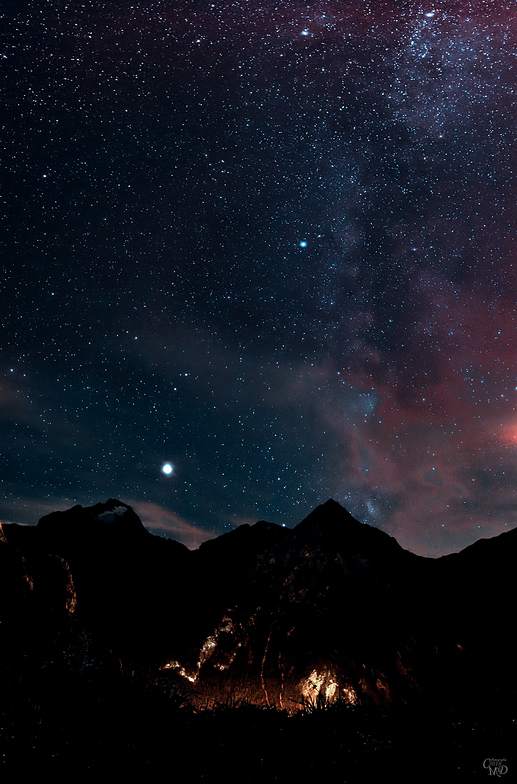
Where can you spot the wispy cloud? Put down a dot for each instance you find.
(27, 511)
(157, 517)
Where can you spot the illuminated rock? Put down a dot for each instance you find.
(320, 686)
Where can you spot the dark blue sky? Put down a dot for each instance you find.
(272, 244)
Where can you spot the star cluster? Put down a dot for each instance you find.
(270, 245)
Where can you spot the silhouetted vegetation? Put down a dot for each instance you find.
(75, 718)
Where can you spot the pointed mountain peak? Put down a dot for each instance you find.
(332, 525)
(329, 514)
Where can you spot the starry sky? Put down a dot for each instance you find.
(270, 244)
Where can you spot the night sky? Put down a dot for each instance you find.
(269, 243)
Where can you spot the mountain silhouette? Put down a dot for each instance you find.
(330, 609)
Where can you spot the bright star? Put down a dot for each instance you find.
(167, 469)
(303, 244)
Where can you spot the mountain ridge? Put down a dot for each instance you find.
(266, 614)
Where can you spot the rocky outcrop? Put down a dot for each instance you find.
(126, 582)
(16, 584)
(37, 608)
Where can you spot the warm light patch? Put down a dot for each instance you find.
(174, 665)
(508, 434)
(349, 695)
(207, 650)
(320, 685)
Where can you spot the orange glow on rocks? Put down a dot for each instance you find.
(320, 684)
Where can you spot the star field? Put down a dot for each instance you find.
(271, 245)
